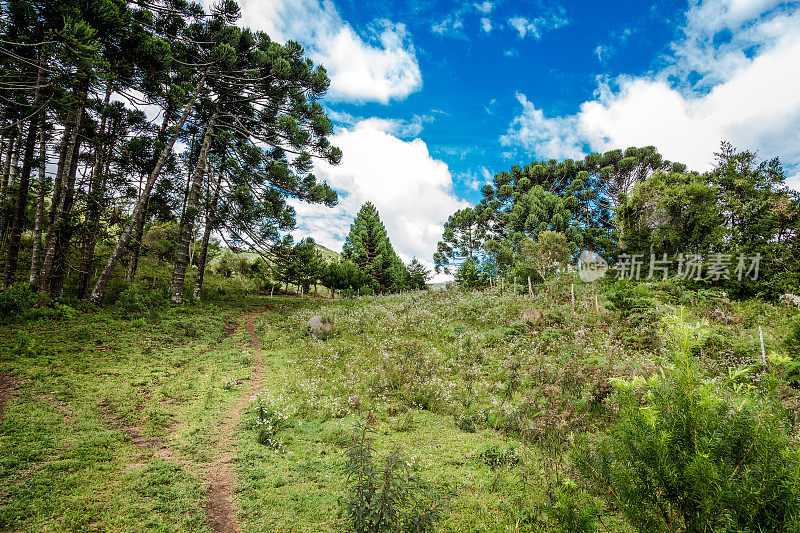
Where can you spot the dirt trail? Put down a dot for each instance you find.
(219, 475)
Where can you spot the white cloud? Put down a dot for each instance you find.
(755, 106)
(395, 126)
(484, 7)
(476, 182)
(450, 24)
(616, 39)
(600, 51)
(721, 36)
(412, 191)
(380, 65)
(557, 138)
(536, 27)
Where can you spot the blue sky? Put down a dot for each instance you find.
(430, 99)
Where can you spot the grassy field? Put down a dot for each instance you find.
(228, 414)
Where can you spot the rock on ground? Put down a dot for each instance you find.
(320, 327)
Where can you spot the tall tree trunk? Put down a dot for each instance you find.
(12, 250)
(138, 210)
(12, 253)
(201, 259)
(64, 238)
(94, 200)
(65, 177)
(36, 252)
(136, 244)
(190, 214)
(66, 135)
(136, 247)
(10, 148)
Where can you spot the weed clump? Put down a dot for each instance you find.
(387, 498)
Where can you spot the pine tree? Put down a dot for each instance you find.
(368, 246)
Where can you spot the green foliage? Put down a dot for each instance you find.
(575, 510)
(418, 275)
(134, 301)
(462, 238)
(367, 245)
(695, 454)
(271, 416)
(551, 251)
(387, 499)
(15, 301)
(634, 301)
(470, 276)
(345, 276)
(540, 211)
(496, 456)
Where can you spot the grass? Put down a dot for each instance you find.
(418, 365)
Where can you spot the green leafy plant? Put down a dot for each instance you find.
(388, 498)
(696, 454)
(272, 415)
(575, 511)
(15, 300)
(495, 456)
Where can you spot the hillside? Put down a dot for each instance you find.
(103, 425)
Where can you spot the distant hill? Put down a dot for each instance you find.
(327, 253)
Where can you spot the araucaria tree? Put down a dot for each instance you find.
(368, 246)
(86, 172)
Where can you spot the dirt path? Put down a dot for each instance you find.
(219, 475)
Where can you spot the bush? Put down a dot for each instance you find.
(631, 299)
(388, 499)
(16, 300)
(272, 415)
(132, 301)
(575, 511)
(693, 454)
(495, 456)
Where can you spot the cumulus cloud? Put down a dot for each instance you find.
(379, 65)
(412, 191)
(537, 26)
(754, 105)
(486, 24)
(557, 138)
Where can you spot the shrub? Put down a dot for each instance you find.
(495, 456)
(575, 511)
(387, 499)
(633, 301)
(16, 300)
(132, 301)
(694, 454)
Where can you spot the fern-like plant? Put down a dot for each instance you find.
(694, 454)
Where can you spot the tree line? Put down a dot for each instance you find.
(368, 263)
(625, 202)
